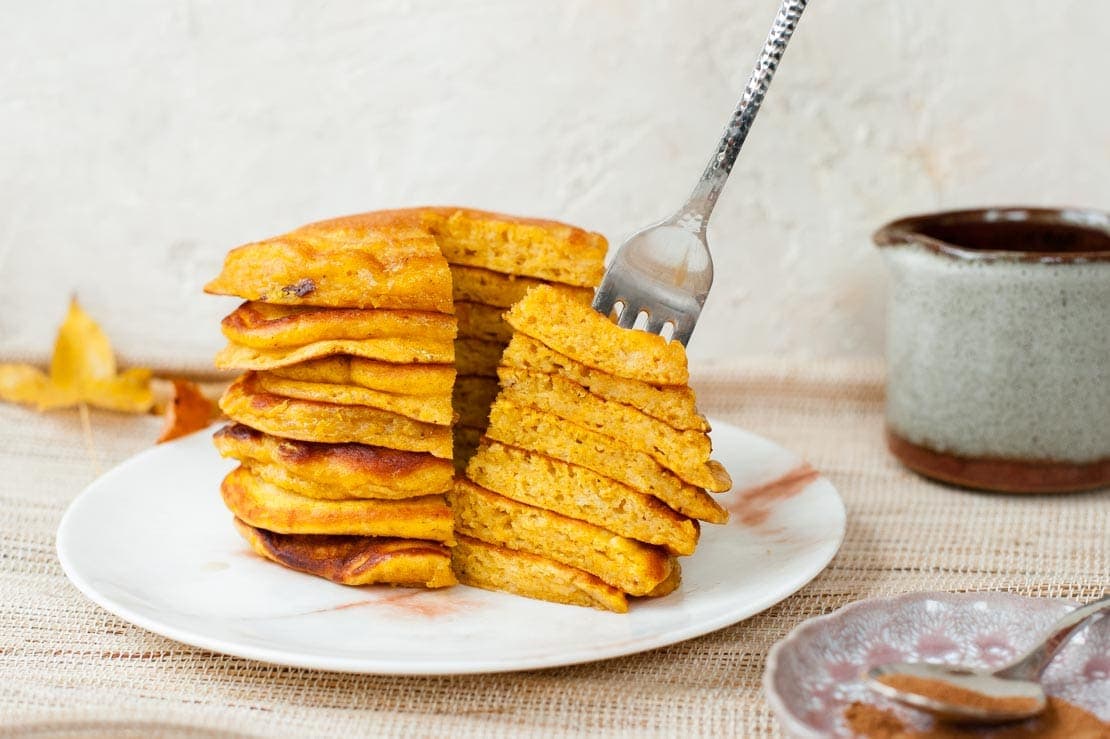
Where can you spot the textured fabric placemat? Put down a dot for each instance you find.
(69, 668)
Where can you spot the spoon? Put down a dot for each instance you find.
(1009, 693)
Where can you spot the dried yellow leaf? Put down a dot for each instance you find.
(22, 383)
(82, 370)
(128, 392)
(82, 353)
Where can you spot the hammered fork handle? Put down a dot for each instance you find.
(694, 215)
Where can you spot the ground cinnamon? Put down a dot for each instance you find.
(1060, 720)
(949, 693)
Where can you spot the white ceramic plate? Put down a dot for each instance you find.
(151, 542)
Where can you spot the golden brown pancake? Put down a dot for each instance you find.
(477, 357)
(532, 429)
(686, 453)
(522, 246)
(627, 565)
(673, 404)
(583, 334)
(394, 350)
(335, 470)
(356, 560)
(479, 321)
(269, 507)
(388, 266)
(411, 379)
(309, 420)
(532, 247)
(426, 408)
(277, 475)
(268, 326)
(491, 567)
(477, 285)
(472, 398)
(537, 480)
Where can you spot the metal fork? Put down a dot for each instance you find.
(665, 271)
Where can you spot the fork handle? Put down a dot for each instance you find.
(694, 216)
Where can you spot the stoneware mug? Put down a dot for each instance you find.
(998, 347)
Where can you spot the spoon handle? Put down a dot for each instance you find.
(1030, 665)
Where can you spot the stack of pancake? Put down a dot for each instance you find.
(593, 473)
(342, 421)
(364, 339)
(495, 259)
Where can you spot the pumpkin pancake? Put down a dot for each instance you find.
(268, 326)
(673, 404)
(410, 379)
(393, 350)
(277, 475)
(547, 250)
(686, 453)
(472, 398)
(426, 408)
(479, 321)
(335, 470)
(385, 267)
(522, 246)
(492, 567)
(355, 560)
(309, 420)
(583, 334)
(532, 429)
(269, 507)
(537, 480)
(627, 565)
(477, 285)
(477, 357)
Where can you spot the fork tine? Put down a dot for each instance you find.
(606, 296)
(656, 322)
(683, 328)
(603, 303)
(628, 316)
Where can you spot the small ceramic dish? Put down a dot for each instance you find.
(998, 355)
(815, 672)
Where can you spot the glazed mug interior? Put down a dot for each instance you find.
(998, 347)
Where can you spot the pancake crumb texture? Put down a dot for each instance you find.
(629, 565)
(595, 470)
(484, 565)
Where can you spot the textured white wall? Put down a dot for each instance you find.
(138, 141)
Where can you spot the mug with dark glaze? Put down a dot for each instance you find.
(998, 347)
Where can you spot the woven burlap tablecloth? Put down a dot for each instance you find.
(68, 666)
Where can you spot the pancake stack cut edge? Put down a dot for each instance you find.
(595, 469)
(362, 340)
(495, 260)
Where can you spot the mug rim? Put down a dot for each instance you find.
(907, 231)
